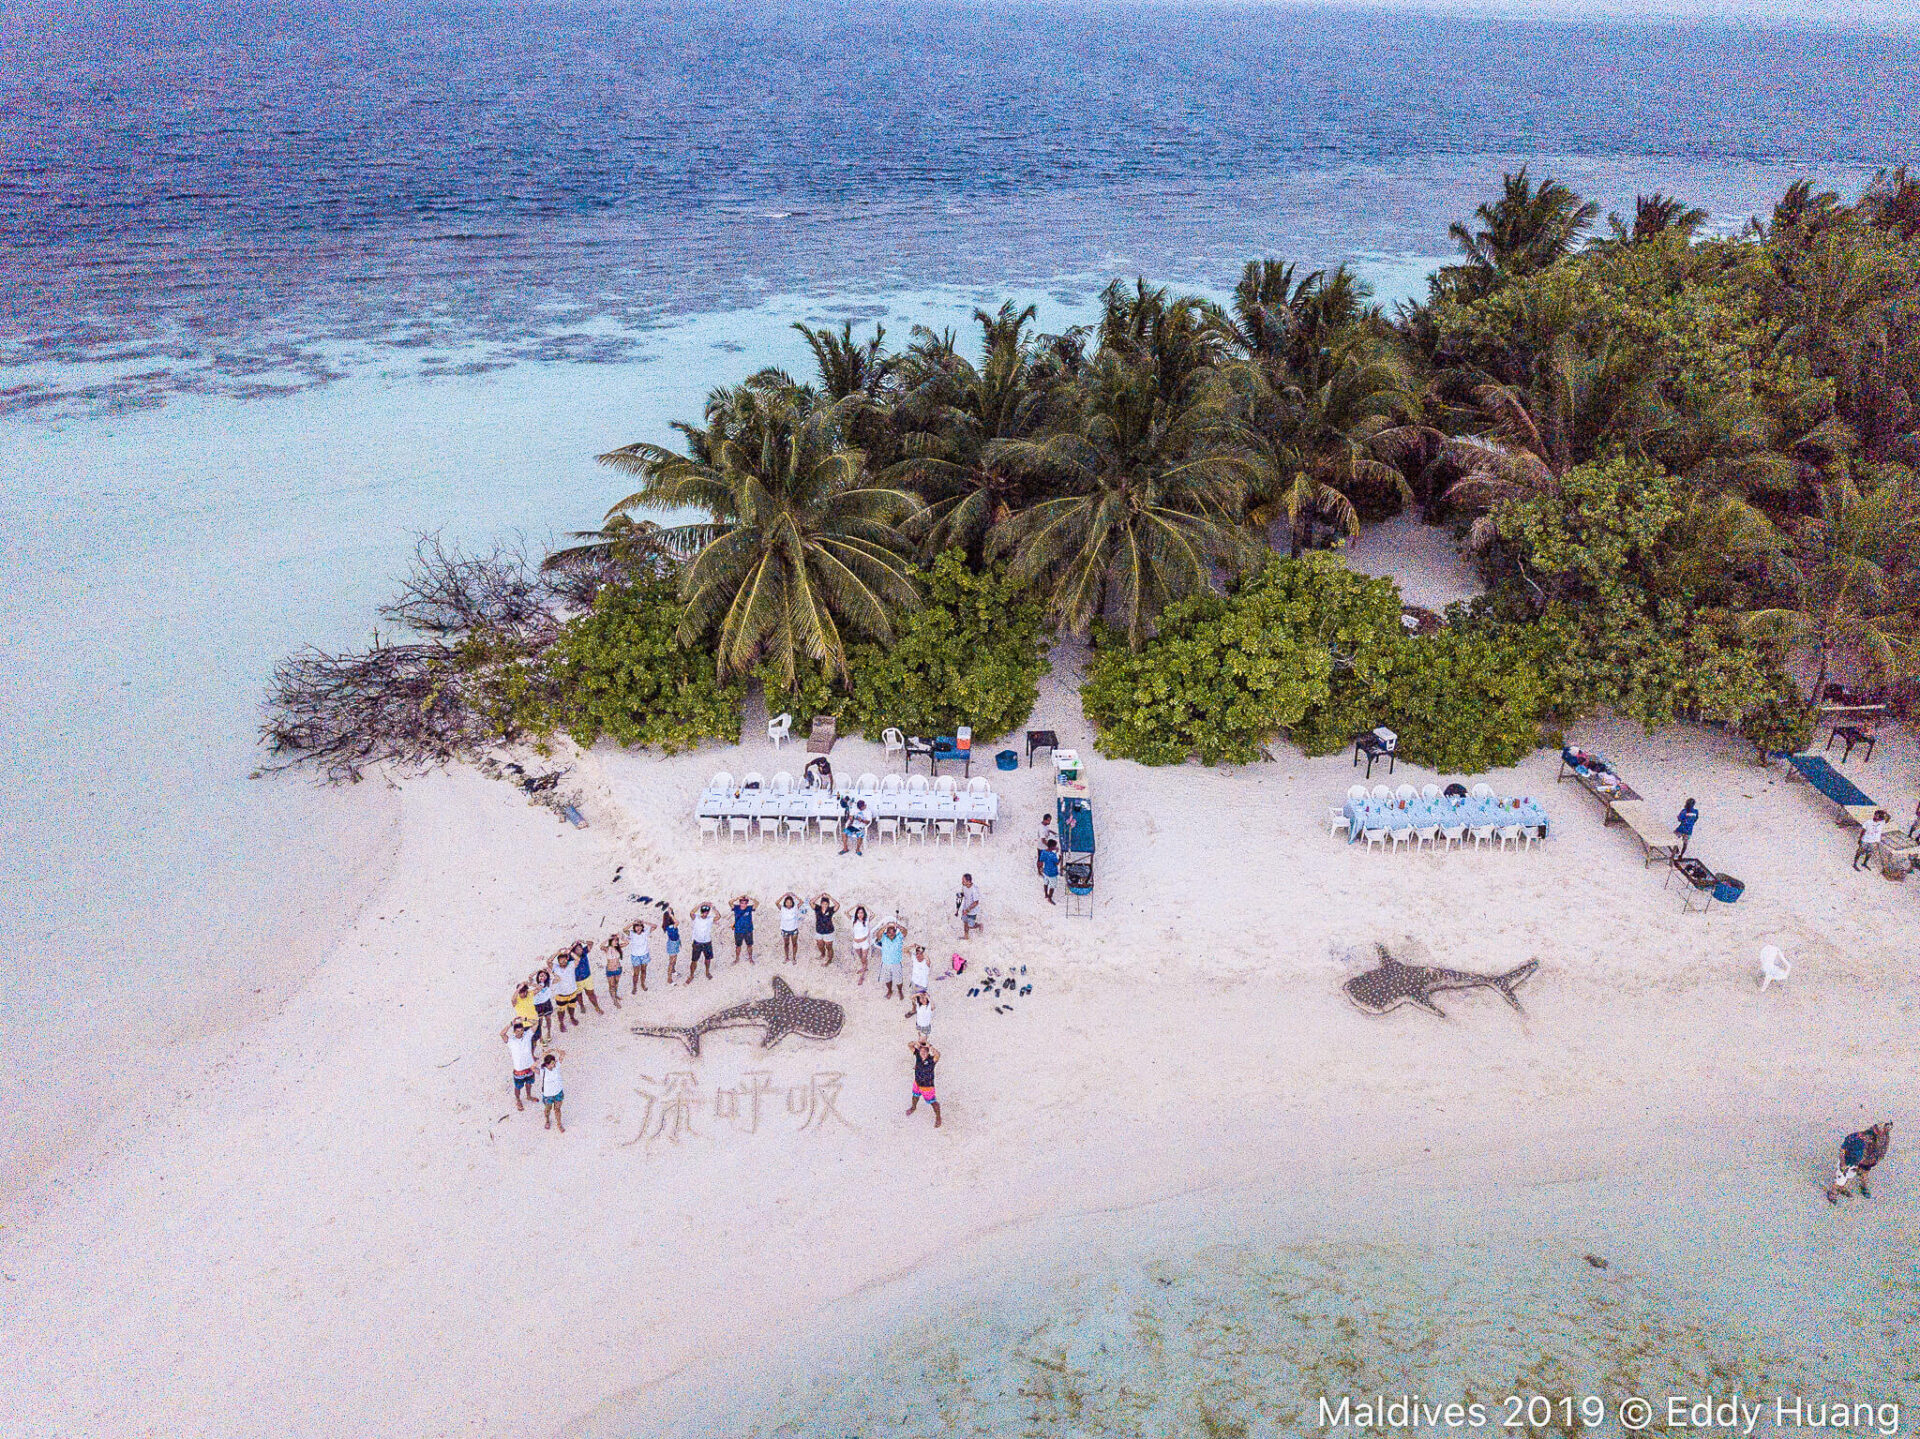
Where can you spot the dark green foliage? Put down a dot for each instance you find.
(618, 672)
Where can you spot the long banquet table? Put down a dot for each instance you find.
(1366, 814)
(821, 804)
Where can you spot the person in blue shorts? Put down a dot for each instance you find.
(670, 927)
(743, 928)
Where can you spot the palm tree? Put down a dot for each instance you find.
(1891, 202)
(1657, 215)
(1849, 578)
(621, 543)
(1527, 229)
(1178, 339)
(801, 550)
(848, 366)
(1156, 487)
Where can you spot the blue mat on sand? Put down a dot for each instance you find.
(1828, 780)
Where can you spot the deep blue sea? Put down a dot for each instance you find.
(255, 197)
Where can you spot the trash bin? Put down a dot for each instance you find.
(1727, 889)
(1007, 759)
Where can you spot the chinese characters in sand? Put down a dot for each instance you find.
(674, 1106)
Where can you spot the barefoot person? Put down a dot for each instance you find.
(1042, 840)
(583, 974)
(523, 1007)
(861, 935)
(743, 927)
(1049, 870)
(1859, 1152)
(922, 1014)
(925, 1056)
(543, 1002)
(1684, 822)
(552, 1091)
(967, 906)
(922, 970)
(824, 909)
(651, 945)
(790, 927)
(670, 927)
(519, 1040)
(893, 940)
(855, 827)
(1870, 833)
(702, 941)
(613, 961)
(566, 991)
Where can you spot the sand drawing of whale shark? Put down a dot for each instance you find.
(1390, 984)
(785, 1013)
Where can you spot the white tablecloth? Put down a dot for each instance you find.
(818, 804)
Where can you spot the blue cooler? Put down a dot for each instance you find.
(1727, 889)
(1007, 759)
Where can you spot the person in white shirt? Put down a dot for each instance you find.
(967, 904)
(1870, 833)
(790, 927)
(1040, 840)
(921, 975)
(862, 937)
(551, 1089)
(566, 991)
(702, 926)
(922, 1014)
(520, 1053)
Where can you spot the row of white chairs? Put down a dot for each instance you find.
(892, 827)
(867, 784)
(1406, 793)
(1439, 836)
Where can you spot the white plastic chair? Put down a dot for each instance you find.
(976, 831)
(1383, 794)
(945, 785)
(753, 779)
(709, 826)
(895, 742)
(1429, 791)
(1407, 793)
(720, 783)
(1356, 791)
(799, 819)
(916, 784)
(1774, 967)
(867, 785)
(1402, 837)
(739, 826)
(1482, 834)
(782, 782)
(945, 828)
(979, 785)
(1509, 834)
(770, 822)
(1456, 835)
(887, 826)
(1427, 835)
(1338, 823)
(829, 826)
(1531, 833)
(780, 729)
(917, 827)
(1376, 837)
(1483, 790)
(891, 784)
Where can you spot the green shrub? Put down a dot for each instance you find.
(617, 672)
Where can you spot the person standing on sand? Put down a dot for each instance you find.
(702, 941)
(922, 971)
(1041, 841)
(614, 963)
(520, 1054)
(670, 927)
(824, 909)
(790, 927)
(523, 1008)
(583, 973)
(649, 945)
(1049, 870)
(893, 938)
(543, 1002)
(1859, 1152)
(855, 828)
(967, 906)
(1684, 822)
(566, 991)
(552, 1091)
(922, 1013)
(861, 935)
(1870, 833)
(743, 927)
(925, 1056)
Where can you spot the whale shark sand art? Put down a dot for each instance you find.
(786, 1013)
(1390, 984)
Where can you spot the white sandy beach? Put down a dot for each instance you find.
(343, 1227)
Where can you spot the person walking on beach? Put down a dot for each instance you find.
(790, 927)
(1859, 1152)
(552, 1091)
(566, 991)
(583, 974)
(824, 909)
(614, 963)
(1870, 833)
(893, 938)
(922, 971)
(861, 935)
(967, 906)
(1049, 870)
(922, 1014)
(743, 927)
(1684, 822)
(855, 828)
(925, 1056)
(519, 1041)
(670, 927)
(543, 1002)
(702, 941)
